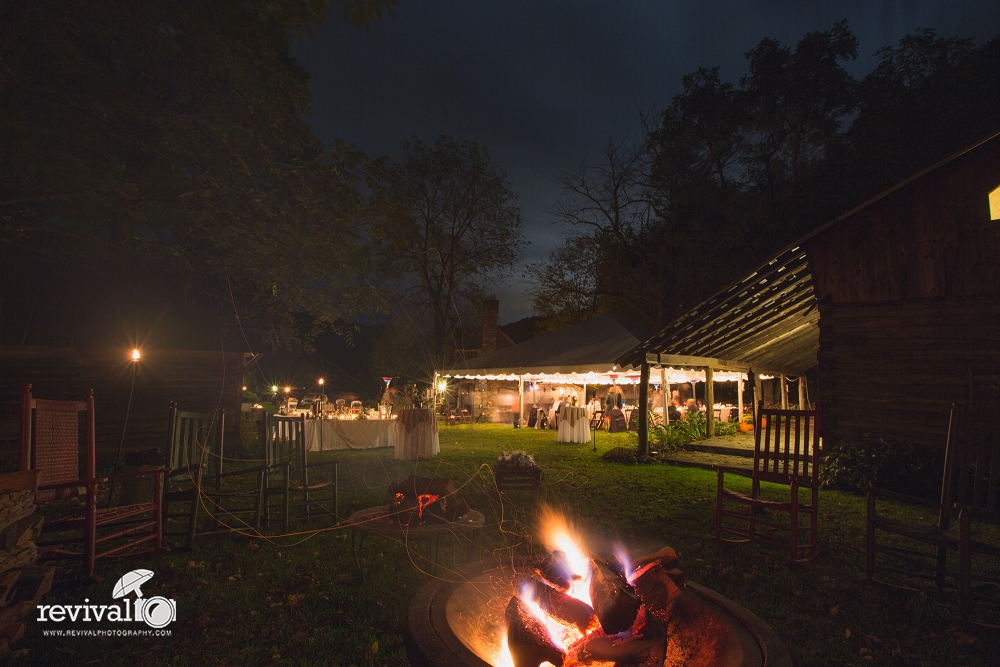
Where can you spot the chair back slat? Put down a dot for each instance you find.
(196, 439)
(786, 446)
(285, 441)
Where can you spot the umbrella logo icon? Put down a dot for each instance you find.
(157, 611)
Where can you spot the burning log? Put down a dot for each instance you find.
(615, 601)
(644, 644)
(658, 591)
(422, 500)
(556, 570)
(560, 606)
(666, 557)
(527, 639)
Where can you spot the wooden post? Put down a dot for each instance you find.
(644, 409)
(665, 388)
(520, 402)
(784, 392)
(739, 396)
(709, 403)
(758, 394)
(802, 393)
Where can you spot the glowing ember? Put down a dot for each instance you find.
(557, 535)
(423, 500)
(562, 636)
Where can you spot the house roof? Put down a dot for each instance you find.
(592, 345)
(768, 319)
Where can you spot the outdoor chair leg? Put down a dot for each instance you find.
(195, 506)
(793, 532)
(284, 525)
(261, 481)
(718, 507)
(157, 513)
(870, 537)
(90, 529)
(964, 563)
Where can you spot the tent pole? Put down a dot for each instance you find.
(784, 392)
(709, 403)
(665, 389)
(644, 409)
(802, 393)
(520, 402)
(739, 395)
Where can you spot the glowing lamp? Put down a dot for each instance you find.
(288, 390)
(274, 388)
(244, 388)
(135, 355)
(321, 381)
(442, 385)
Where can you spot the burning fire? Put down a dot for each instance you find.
(562, 636)
(558, 535)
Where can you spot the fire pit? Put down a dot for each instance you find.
(566, 610)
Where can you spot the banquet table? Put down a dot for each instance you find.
(327, 434)
(574, 425)
(416, 434)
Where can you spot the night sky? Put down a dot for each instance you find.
(543, 83)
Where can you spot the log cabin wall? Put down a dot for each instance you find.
(197, 380)
(909, 297)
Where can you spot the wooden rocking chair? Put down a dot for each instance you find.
(786, 452)
(288, 470)
(970, 485)
(50, 443)
(197, 456)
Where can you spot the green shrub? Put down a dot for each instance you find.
(856, 463)
(626, 455)
(725, 428)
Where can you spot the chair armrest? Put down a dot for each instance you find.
(70, 485)
(904, 498)
(729, 470)
(136, 473)
(242, 471)
(173, 472)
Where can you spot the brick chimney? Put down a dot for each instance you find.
(491, 320)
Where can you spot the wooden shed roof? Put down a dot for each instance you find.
(768, 319)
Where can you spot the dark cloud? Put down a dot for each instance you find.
(543, 83)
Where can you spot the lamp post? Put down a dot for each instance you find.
(136, 355)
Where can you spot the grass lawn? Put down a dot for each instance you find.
(299, 599)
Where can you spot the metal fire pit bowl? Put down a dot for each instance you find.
(452, 624)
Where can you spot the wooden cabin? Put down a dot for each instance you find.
(893, 308)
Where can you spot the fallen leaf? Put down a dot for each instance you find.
(834, 610)
(297, 637)
(374, 647)
(847, 633)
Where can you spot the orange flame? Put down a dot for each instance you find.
(503, 658)
(562, 636)
(557, 533)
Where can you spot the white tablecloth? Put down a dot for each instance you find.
(574, 425)
(326, 434)
(416, 434)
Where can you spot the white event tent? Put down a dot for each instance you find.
(581, 354)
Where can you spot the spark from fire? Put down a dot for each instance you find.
(557, 534)
(562, 636)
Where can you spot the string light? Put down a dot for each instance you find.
(135, 355)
